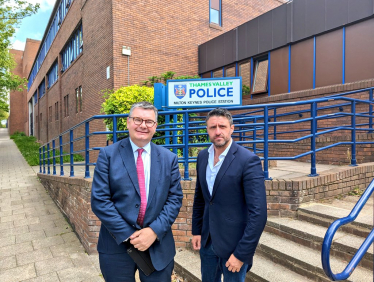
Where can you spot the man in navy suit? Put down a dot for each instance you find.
(136, 193)
(229, 210)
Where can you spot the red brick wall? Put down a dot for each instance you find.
(17, 102)
(72, 195)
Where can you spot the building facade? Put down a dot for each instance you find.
(19, 120)
(90, 46)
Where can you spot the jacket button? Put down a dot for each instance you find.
(211, 203)
(136, 205)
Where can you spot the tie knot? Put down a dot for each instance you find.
(140, 151)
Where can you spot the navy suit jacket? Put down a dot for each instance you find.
(235, 215)
(115, 199)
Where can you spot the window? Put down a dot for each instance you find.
(35, 97)
(66, 106)
(50, 114)
(217, 73)
(260, 75)
(56, 111)
(72, 49)
(52, 74)
(51, 34)
(230, 71)
(78, 99)
(215, 15)
(245, 73)
(41, 89)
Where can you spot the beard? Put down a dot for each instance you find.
(223, 143)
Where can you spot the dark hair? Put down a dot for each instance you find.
(144, 105)
(220, 112)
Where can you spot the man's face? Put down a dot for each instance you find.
(219, 130)
(141, 134)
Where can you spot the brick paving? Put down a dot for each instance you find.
(36, 242)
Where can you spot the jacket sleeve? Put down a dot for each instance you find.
(198, 206)
(162, 224)
(102, 205)
(255, 196)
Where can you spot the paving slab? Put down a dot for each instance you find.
(36, 242)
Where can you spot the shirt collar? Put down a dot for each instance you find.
(224, 153)
(147, 148)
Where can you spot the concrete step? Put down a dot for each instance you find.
(265, 270)
(324, 215)
(344, 245)
(187, 265)
(304, 261)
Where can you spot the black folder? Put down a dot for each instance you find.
(142, 259)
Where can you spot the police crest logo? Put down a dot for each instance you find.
(180, 90)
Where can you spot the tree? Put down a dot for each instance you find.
(11, 14)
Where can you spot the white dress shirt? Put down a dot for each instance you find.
(146, 157)
(211, 169)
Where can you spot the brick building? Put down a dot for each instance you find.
(81, 52)
(18, 117)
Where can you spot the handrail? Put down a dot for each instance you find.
(325, 255)
(257, 132)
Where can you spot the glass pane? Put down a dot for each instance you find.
(230, 72)
(245, 73)
(214, 16)
(217, 73)
(260, 77)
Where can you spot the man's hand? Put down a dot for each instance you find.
(143, 239)
(233, 264)
(196, 242)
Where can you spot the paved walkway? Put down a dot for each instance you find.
(36, 242)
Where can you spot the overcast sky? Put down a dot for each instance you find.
(34, 26)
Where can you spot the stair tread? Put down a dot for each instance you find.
(332, 212)
(310, 257)
(271, 271)
(309, 230)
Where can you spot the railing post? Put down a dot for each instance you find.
(54, 156)
(275, 127)
(61, 158)
(40, 160)
(175, 133)
(71, 153)
(313, 126)
(114, 130)
(254, 137)
(266, 144)
(48, 161)
(371, 110)
(167, 133)
(185, 150)
(353, 133)
(87, 152)
(44, 159)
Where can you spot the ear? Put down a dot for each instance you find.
(232, 127)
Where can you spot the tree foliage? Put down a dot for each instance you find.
(11, 14)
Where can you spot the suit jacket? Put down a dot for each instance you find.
(115, 199)
(235, 215)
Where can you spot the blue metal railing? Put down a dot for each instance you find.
(326, 246)
(258, 127)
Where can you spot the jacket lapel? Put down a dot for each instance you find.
(202, 172)
(225, 165)
(155, 172)
(127, 155)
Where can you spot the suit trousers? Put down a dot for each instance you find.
(121, 268)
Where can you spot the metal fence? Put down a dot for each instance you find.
(257, 127)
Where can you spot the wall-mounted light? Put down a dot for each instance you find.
(126, 50)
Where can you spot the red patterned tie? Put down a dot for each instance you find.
(141, 180)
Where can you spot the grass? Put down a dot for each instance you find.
(29, 148)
